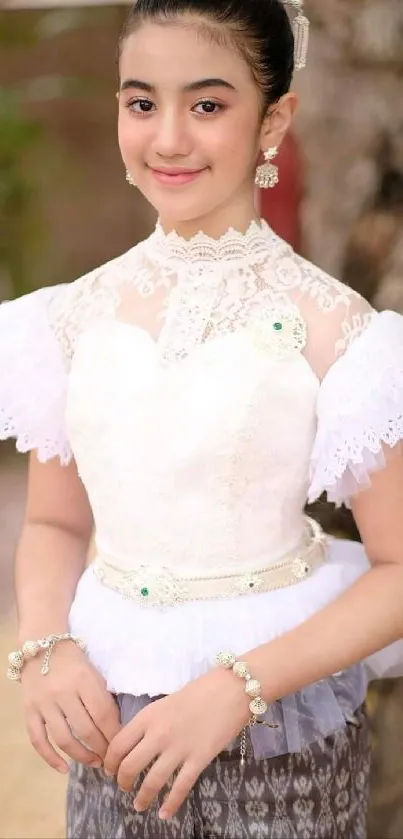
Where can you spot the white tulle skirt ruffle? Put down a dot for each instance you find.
(152, 652)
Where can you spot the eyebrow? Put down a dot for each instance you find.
(201, 84)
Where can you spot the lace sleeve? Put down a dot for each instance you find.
(38, 337)
(33, 378)
(360, 405)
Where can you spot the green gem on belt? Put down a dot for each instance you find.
(278, 326)
(145, 592)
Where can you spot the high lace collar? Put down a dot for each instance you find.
(233, 246)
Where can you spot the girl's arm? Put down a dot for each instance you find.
(52, 550)
(70, 707)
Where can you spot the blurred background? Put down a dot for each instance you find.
(65, 208)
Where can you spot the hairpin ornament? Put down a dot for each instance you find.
(301, 33)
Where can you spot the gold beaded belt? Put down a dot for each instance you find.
(152, 586)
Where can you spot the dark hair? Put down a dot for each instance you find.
(260, 29)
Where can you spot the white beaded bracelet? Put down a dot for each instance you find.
(31, 649)
(253, 688)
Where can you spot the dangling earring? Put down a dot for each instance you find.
(267, 174)
(130, 179)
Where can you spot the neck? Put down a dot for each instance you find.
(215, 224)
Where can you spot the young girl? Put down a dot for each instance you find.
(206, 674)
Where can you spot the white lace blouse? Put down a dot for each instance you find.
(206, 389)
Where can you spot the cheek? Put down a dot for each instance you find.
(123, 137)
(236, 144)
(130, 138)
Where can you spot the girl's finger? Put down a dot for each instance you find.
(155, 781)
(83, 726)
(136, 762)
(102, 708)
(128, 739)
(180, 791)
(39, 739)
(60, 732)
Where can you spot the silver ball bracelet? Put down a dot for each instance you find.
(31, 649)
(253, 689)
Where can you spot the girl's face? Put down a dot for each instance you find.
(189, 124)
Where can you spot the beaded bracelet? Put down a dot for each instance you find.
(257, 705)
(31, 649)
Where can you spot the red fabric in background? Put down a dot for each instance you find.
(281, 206)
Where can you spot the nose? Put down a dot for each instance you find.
(171, 135)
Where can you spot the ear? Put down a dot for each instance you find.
(277, 121)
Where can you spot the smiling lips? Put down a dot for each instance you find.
(176, 177)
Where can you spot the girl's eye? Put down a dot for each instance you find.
(141, 106)
(207, 107)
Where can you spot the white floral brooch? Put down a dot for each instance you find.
(280, 332)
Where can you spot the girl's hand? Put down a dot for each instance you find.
(68, 705)
(184, 731)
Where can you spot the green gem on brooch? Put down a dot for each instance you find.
(278, 326)
(145, 592)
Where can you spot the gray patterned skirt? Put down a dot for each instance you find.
(321, 793)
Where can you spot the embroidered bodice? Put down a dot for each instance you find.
(193, 376)
(192, 372)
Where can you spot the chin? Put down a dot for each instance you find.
(181, 209)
